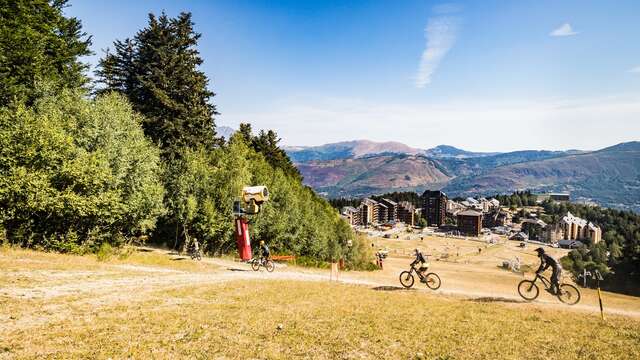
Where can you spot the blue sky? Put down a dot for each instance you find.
(481, 75)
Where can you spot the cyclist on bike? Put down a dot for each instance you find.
(194, 246)
(264, 250)
(424, 264)
(547, 261)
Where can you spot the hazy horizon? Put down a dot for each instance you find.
(489, 76)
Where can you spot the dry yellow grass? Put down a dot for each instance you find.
(321, 320)
(149, 306)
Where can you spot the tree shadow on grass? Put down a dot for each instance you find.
(389, 288)
(490, 299)
(236, 269)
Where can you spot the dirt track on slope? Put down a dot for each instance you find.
(130, 284)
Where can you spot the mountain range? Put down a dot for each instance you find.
(362, 148)
(609, 176)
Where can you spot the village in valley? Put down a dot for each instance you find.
(478, 218)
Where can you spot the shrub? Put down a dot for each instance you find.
(105, 252)
(76, 173)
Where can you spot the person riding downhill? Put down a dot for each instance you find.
(264, 250)
(547, 261)
(424, 265)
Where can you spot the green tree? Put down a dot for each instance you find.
(38, 44)
(266, 143)
(158, 72)
(76, 173)
(617, 256)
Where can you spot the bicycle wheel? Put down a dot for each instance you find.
(199, 256)
(528, 290)
(255, 264)
(433, 281)
(406, 279)
(269, 265)
(569, 294)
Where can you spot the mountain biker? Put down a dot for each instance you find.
(547, 261)
(195, 246)
(264, 250)
(424, 264)
(379, 258)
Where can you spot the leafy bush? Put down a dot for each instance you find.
(76, 173)
(202, 185)
(309, 261)
(359, 256)
(105, 252)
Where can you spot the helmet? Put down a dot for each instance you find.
(540, 251)
(416, 251)
(261, 242)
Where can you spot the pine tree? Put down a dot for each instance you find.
(158, 72)
(246, 132)
(39, 48)
(266, 143)
(117, 71)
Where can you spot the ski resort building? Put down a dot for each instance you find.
(470, 222)
(571, 227)
(434, 207)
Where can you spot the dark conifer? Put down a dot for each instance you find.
(158, 72)
(39, 49)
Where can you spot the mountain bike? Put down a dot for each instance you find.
(529, 291)
(257, 262)
(432, 280)
(195, 254)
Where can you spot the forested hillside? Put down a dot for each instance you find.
(136, 155)
(610, 176)
(617, 256)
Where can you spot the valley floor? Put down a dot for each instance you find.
(155, 304)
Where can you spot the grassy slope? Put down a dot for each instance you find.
(319, 320)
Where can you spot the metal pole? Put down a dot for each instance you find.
(600, 298)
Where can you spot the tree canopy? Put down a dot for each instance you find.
(617, 256)
(266, 143)
(76, 173)
(158, 72)
(39, 45)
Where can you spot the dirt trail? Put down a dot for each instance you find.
(474, 295)
(140, 281)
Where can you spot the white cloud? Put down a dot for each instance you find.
(440, 34)
(564, 30)
(585, 123)
(635, 70)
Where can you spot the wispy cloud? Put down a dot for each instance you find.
(635, 70)
(440, 34)
(564, 30)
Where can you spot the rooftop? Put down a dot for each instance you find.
(470, 213)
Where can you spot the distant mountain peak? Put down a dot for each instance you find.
(448, 151)
(347, 150)
(225, 131)
(625, 146)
